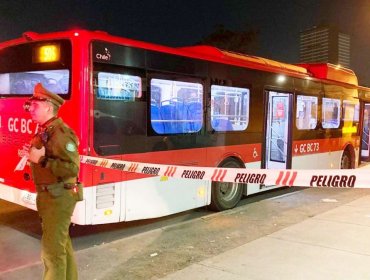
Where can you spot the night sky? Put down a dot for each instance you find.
(181, 23)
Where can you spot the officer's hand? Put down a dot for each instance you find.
(35, 154)
(25, 152)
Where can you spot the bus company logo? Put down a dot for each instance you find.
(335, 181)
(106, 56)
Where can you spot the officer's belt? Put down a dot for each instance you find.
(44, 188)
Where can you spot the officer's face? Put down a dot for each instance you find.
(40, 111)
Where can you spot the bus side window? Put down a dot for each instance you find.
(306, 113)
(179, 108)
(351, 111)
(229, 108)
(330, 112)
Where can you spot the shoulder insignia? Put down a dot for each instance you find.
(71, 147)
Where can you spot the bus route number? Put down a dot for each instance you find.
(309, 148)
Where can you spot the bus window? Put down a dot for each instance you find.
(22, 66)
(351, 111)
(306, 114)
(113, 86)
(330, 112)
(176, 107)
(119, 113)
(350, 116)
(23, 83)
(229, 108)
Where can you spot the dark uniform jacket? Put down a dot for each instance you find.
(61, 162)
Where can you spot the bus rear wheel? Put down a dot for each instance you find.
(346, 161)
(226, 195)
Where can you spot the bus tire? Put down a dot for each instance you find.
(346, 161)
(226, 195)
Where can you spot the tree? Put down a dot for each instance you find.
(236, 41)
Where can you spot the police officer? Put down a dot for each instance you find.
(54, 160)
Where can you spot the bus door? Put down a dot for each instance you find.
(365, 147)
(278, 129)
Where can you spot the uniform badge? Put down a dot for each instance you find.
(71, 147)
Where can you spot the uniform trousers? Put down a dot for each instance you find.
(56, 246)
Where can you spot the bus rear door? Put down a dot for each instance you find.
(278, 130)
(365, 147)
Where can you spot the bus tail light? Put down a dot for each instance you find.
(105, 196)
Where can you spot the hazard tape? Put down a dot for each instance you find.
(336, 178)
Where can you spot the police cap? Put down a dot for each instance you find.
(42, 94)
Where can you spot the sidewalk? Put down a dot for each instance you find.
(333, 245)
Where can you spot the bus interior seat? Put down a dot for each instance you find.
(172, 112)
(168, 115)
(180, 116)
(195, 116)
(177, 117)
(219, 124)
(157, 125)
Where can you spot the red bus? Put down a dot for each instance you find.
(192, 106)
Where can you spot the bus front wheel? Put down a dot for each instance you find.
(226, 195)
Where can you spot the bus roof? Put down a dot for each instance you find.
(327, 71)
(244, 58)
(323, 71)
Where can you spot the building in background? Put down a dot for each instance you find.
(325, 44)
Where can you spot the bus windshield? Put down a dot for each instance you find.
(23, 66)
(22, 83)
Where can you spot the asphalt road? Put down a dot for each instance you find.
(20, 233)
